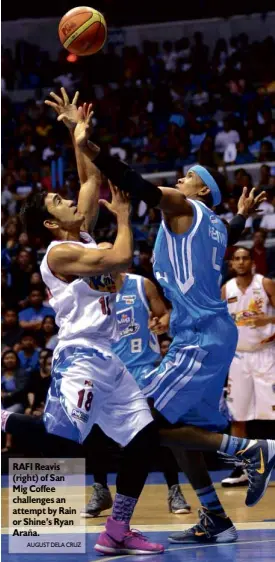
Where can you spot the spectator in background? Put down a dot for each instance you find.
(259, 252)
(7, 293)
(268, 224)
(11, 331)
(244, 156)
(39, 384)
(31, 318)
(225, 137)
(10, 242)
(266, 152)
(48, 333)
(264, 176)
(271, 136)
(13, 388)
(29, 354)
(21, 272)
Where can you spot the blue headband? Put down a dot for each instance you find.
(209, 181)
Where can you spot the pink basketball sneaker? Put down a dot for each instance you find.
(119, 539)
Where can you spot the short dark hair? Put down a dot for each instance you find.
(248, 250)
(33, 213)
(221, 183)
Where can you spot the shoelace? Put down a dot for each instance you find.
(136, 533)
(177, 495)
(202, 525)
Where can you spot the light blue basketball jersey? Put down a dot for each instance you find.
(188, 267)
(137, 346)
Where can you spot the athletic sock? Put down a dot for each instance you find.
(231, 445)
(123, 508)
(210, 501)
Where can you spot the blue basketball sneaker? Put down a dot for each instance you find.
(211, 528)
(259, 460)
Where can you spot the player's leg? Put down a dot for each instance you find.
(214, 525)
(176, 501)
(263, 373)
(188, 386)
(101, 498)
(241, 404)
(124, 416)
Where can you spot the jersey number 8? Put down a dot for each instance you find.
(136, 345)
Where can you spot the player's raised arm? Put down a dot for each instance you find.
(169, 200)
(79, 122)
(247, 205)
(74, 260)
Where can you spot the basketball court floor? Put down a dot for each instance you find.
(256, 527)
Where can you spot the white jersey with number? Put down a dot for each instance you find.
(85, 307)
(243, 307)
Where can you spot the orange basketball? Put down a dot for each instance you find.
(83, 31)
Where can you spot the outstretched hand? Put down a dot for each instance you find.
(248, 204)
(67, 111)
(83, 129)
(120, 204)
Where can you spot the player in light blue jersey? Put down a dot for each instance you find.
(187, 387)
(138, 347)
(142, 315)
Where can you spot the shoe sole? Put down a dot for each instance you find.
(234, 485)
(116, 551)
(90, 516)
(228, 536)
(179, 511)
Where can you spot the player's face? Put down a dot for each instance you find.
(192, 186)
(242, 262)
(64, 211)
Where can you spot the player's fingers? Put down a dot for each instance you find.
(104, 203)
(64, 95)
(75, 98)
(113, 188)
(252, 193)
(260, 197)
(244, 192)
(80, 112)
(61, 117)
(52, 104)
(56, 98)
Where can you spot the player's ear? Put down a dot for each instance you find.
(203, 191)
(51, 224)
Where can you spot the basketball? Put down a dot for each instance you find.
(82, 31)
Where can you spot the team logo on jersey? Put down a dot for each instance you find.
(129, 299)
(126, 322)
(102, 283)
(81, 416)
(214, 219)
(232, 299)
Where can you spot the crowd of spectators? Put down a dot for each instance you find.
(163, 109)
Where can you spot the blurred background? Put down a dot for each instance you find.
(167, 93)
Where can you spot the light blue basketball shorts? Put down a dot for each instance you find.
(188, 384)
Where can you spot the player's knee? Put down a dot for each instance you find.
(146, 440)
